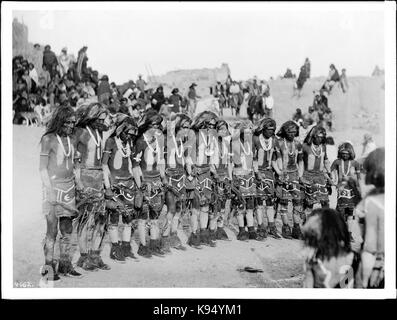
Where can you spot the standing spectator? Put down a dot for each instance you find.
(307, 68)
(140, 83)
(50, 61)
(158, 99)
(82, 63)
(65, 61)
(94, 77)
(343, 81)
(37, 57)
(301, 80)
(176, 100)
(104, 91)
(192, 95)
(269, 104)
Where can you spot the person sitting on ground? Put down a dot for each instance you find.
(297, 115)
(333, 78)
(288, 74)
(140, 83)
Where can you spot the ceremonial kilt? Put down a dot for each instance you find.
(266, 185)
(204, 185)
(315, 184)
(153, 193)
(126, 194)
(291, 188)
(245, 180)
(65, 198)
(347, 197)
(91, 201)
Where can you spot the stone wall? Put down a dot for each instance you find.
(182, 79)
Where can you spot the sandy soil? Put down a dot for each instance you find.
(281, 260)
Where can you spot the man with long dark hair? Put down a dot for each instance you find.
(289, 188)
(148, 170)
(92, 213)
(58, 177)
(222, 173)
(121, 189)
(178, 163)
(204, 127)
(316, 175)
(329, 262)
(265, 167)
(244, 177)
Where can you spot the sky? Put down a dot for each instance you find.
(253, 40)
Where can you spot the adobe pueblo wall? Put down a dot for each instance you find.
(182, 79)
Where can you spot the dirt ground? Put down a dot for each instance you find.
(359, 111)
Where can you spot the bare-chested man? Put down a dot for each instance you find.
(316, 175)
(91, 199)
(178, 162)
(289, 187)
(222, 173)
(148, 170)
(265, 166)
(58, 177)
(244, 177)
(120, 186)
(204, 127)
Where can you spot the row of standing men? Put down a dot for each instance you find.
(202, 167)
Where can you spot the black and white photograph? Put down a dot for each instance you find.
(198, 150)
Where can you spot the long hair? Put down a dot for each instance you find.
(87, 114)
(374, 166)
(283, 129)
(151, 116)
(315, 130)
(330, 236)
(122, 121)
(346, 146)
(58, 118)
(240, 127)
(202, 119)
(263, 124)
(179, 118)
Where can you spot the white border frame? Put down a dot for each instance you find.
(389, 9)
